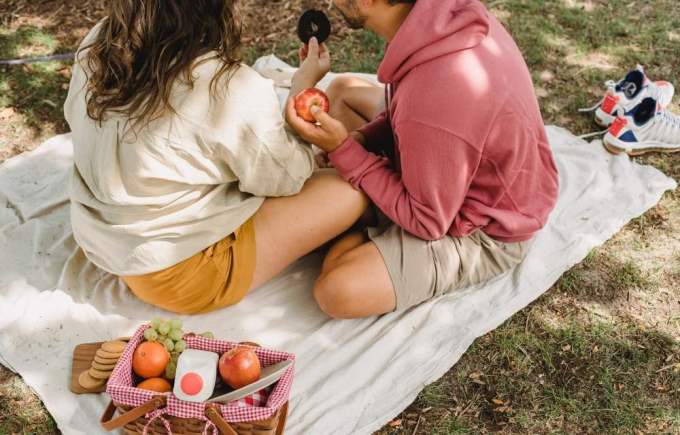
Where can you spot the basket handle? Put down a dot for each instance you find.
(213, 414)
(109, 423)
(215, 417)
(282, 419)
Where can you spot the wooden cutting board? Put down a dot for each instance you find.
(83, 355)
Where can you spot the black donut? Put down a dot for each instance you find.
(314, 23)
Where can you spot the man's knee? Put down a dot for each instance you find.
(333, 293)
(338, 87)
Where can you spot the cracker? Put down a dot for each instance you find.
(105, 361)
(115, 346)
(88, 382)
(103, 367)
(108, 355)
(99, 374)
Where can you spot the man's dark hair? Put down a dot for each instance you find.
(394, 2)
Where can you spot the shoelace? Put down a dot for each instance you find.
(594, 134)
(667, 127)
(610, 84)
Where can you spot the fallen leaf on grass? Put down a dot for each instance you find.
(6, 113)
(395, 423)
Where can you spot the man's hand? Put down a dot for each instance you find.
(315, 63)
(328, 134)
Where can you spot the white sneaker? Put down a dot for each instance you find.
(646, 128)
(625, 95)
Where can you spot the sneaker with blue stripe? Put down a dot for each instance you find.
(648, 127)
(628, 93)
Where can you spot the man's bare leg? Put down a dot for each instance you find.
(354, 101)
(355, 283)
(354, 280)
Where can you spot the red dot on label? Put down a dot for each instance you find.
(191, 384)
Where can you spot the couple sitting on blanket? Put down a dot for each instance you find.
(193, 186)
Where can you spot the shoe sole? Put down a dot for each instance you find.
(615, 147)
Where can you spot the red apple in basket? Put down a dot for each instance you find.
(305, 100)
(240, 367)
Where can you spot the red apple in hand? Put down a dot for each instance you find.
(239, 367)
(305, 100)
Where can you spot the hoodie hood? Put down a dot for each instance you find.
(433, 28)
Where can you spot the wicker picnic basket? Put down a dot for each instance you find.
(148, 412)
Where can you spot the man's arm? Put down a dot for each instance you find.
(424, 199)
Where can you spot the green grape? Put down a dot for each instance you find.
(169, 345)
(176, 324)
(170, 370)
(156, 322)
(151, 334)
(175, 334)
(208, 334)
(164, 328)
(180, 345)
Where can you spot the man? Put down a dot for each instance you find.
(458, 160)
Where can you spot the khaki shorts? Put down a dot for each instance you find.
(421, 270)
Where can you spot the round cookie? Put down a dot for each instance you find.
(99, 374)
(105, 361)
(314, 23)
(108, 355)
(115, 346)
(88, 382)
(103, 367)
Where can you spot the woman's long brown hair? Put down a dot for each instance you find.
(144, 46)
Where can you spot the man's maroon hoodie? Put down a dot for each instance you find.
(470, 148)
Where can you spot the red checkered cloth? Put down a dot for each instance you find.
(258, 406)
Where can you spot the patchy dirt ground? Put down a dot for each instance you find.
(598, 353)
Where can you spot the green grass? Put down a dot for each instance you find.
(602, 276)
(35, 93)
(607, 378)
(360, 51)
(20, 410)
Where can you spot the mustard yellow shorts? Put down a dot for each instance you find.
(215, 278)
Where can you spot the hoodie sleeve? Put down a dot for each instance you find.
(437, 168)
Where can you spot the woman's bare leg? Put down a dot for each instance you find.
(288, 228)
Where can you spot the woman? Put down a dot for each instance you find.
(187, 184)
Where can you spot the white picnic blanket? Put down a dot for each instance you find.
(351, 376)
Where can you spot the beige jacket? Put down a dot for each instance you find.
(145, 200)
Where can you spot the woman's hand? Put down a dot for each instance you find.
(315, 63)
(328, 134)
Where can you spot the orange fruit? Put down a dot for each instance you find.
(150, 359)
(155, 384)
